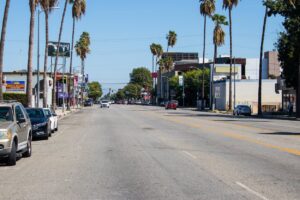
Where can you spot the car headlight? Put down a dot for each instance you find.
(5, 134)
(39, 125)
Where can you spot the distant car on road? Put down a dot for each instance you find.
(242, 110)
(104, 104)
(53, 119)
(88, 103)
(15, 132)
(41, 125)
(171, 105)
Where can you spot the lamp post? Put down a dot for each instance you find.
(38, 59)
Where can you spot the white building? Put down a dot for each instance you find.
(16, 82)
(246, 93)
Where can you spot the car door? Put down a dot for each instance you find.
(22, 125)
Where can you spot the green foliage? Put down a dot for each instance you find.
(82, 46)
(22, 98)
(192, 80)
(95, 90)
(120, 95)
(288, 44)
(141, 76)
(132, 91)
(172, 38)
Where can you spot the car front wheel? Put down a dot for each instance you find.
(27, 154)
(12, 158)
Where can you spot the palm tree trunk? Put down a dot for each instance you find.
(45, 91)
(57, 54)
(260, 63)
(83, 81)
(230, 70)
(30, 54)
(71, 65)
(212, 81)
(2, 42)
(203, 65)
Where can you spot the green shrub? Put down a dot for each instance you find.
(22, 98)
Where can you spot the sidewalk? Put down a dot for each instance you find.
(226, 113)
(66, 112)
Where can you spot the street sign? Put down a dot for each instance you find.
(180, 80)
(64, 49)
(154, 75)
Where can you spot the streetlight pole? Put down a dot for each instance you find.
(37, 103)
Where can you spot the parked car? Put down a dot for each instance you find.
(15, 132)
(104, 104)
(41, 125)
(53, 119)
(242, 110)
(171, 105)
(88, 103)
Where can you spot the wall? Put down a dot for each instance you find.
(247, 93)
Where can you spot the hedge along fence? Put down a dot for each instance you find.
(22, 98)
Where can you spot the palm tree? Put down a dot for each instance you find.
(159, 52)
(207, 8)
(260, 62)
(47, 6)
(153, 50)
(2, 42)
(82, 48)
(229, 4)
(32, 5)
(172, 39)
(57, 53)
(218, 40)
(78, 9)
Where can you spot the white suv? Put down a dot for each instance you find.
(15, 132)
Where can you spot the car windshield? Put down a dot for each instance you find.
(5, 114)
(244, 107)
(35, 113)
(48, 113)
(104, 101)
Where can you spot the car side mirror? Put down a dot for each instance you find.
(21, 120)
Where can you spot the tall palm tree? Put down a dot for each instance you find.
(159, 53)
(2, 42)
(47, 6)
(218, 40)
(228, 5)
(260, 62)
(153, 50)
(82, 48)
(172, 39)
(32, 5)
(207, 8)
(78, 9)
(57, 53)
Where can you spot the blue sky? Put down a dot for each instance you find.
(122, 30)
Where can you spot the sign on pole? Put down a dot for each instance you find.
(64, 49)
(180, 80)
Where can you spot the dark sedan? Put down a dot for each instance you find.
(41, 127)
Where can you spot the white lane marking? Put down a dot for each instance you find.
(252, 191)
(189, 154)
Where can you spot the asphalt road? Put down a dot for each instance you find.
(140, 153)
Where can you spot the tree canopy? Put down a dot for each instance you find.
(141, 76)
(95, 90)
(288, 44)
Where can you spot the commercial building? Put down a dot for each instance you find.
(16, 82)
(246, 92)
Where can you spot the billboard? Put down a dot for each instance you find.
(64, 49)
(15, 86)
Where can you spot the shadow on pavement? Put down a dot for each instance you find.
(281, 133)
